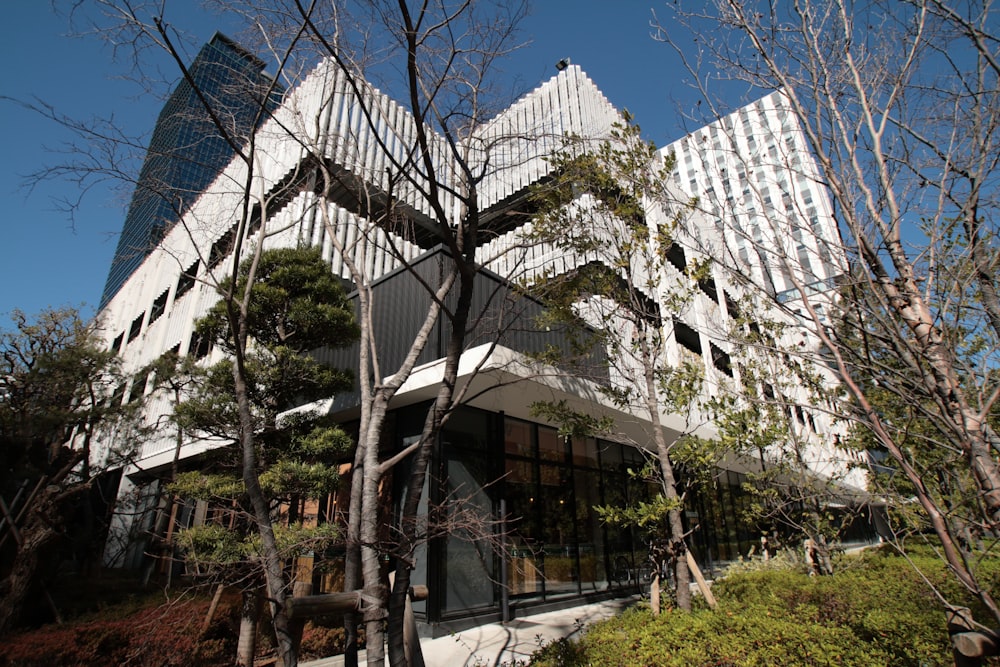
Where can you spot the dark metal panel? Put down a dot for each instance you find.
(500, 313)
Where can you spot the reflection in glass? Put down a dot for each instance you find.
(560, 566)
(469, 566)
(551, 447)
(524, 569)
(590, 535)
(585, 452)
(517, 438)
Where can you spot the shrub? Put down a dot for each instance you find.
(877, 611)
(160, 636)
(319, 641)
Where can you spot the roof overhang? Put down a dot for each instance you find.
(498, 379)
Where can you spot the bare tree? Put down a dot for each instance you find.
(430, 156)
(429, 164)
(898, 104)
(375, 182)
(135, 27)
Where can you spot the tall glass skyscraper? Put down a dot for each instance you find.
(187, 150)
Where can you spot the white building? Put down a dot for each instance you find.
(567, 553)
(753, 174)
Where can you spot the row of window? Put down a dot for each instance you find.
(184, 283)
(222, 248)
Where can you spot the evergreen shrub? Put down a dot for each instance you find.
(875, 611)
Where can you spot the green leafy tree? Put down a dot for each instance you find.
(804, 485)
(900, 400)
(61, 391)
(608, 208)
(294, 305)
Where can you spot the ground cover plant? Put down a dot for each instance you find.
(876, 610)
(144, 631)
(109, 620)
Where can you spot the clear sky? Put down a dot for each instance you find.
(50, 260)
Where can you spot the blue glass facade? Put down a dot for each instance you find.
(187, 151)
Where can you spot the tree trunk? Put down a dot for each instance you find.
(246, 645)
(675, 522)
(352, 555)
(14, 590)
(418, 472)
(678, 549)
(654, 592)
(374, 591)
(274, 575)
(158, 545)
(44, 525)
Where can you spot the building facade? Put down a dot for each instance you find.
(187, 150)
(506, 464)
(755, 179)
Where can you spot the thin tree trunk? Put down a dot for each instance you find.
(374, 589)
(273, 566)
(212, 608)
(352, 553)
(418, 472)
(675, 522)
(246, 645)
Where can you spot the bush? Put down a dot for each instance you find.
(160, 636)
(319, 641)
(877, 611)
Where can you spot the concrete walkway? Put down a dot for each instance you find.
(498, 644)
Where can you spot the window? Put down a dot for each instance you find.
(255, 220)
(156, 234)
(744, 254)
(804, 260)
(721, 359)
(734, 311)
(117, 396)
(186, 281)
(116, 345)
(551, 446)
(222, 247)
(137, 389)
(136, 327)
(159, 305)
(517, 438)
(675, 255)
(687, 337)
(199, 346)
(707, 285)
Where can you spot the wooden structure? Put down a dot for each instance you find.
(302, 607)
(971, 642)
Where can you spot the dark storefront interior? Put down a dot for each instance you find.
(548, 486)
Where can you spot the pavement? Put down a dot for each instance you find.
(503, 644)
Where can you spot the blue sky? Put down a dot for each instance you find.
(49, 260)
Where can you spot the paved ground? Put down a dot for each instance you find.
(498, 644)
